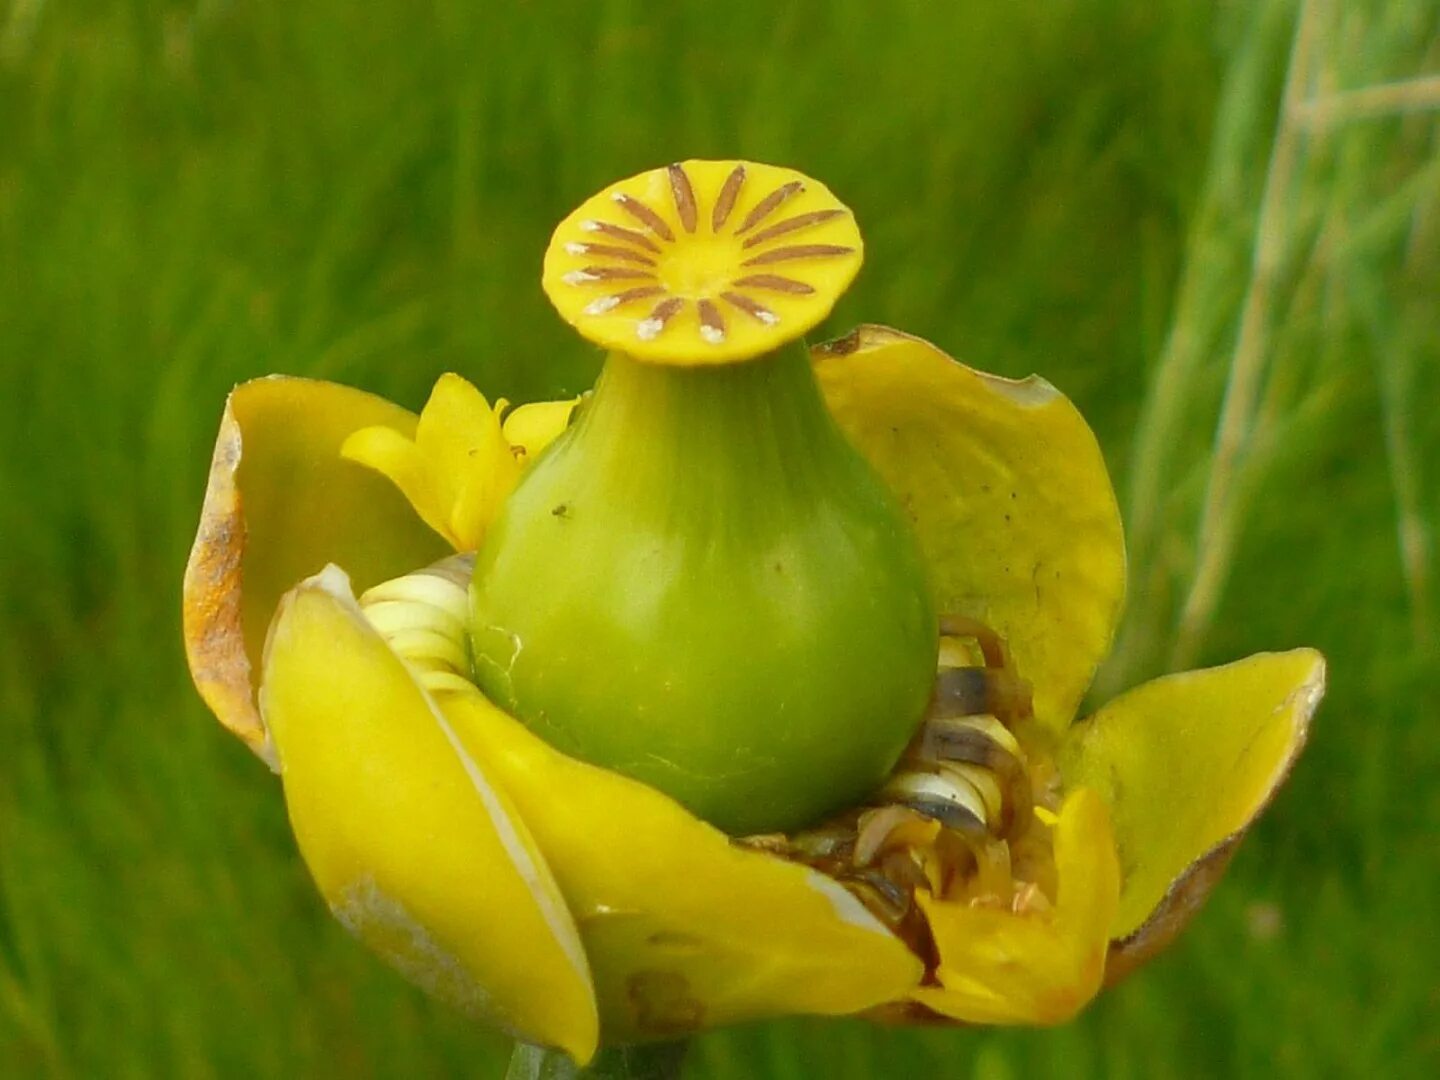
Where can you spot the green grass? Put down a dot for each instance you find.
(194, 194)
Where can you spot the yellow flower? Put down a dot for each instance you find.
(1013, 863)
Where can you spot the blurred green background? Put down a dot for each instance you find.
(1193, 218)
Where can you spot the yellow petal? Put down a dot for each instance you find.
(531, 428)
(702, 262)
(684, 929)
(280, 504)
(417, 851)
(1039, 967)
(1186, 762)
(1009, 495)
(458, 468)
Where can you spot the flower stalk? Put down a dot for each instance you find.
(649, 1061)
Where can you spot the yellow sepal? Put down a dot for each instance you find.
(1187, 761)
(280, 504)
(415, 847)
(1007, 490)
(1034, 967)
(684, 929)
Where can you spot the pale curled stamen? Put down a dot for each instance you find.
(984, 784)
(423, 617)
(877, 827)
(955, 805)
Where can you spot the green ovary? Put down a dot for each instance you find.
(703, 586)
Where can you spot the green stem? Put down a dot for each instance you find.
(653, 1061)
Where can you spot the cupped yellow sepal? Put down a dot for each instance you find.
(684, 929)
(1008, 493)
(1036, 966)
(703, 262)
(416, 848)
(280, 504)
(1185, 763)
(461, 462)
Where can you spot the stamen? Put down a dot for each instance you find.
(960, 692)
(619, 232)
(946, 740)
(955, 805)
(993, 649)
(877, 827)
(643, 214)
(1029, 898)
(648, 328)
(983, 783)
(798, 251)
(893, 900)
(684, 196)
(767, 205)
(789, 225)
(751, 308)
(818, 844)
(423, 617)
(955, 818)
(775, 283)
(725, 201)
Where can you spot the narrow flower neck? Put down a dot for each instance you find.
(731, 454)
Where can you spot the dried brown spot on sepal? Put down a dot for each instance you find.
(1188, 893)
(1188, 762)
(280, 503)
(1182, 903)
(212, 617)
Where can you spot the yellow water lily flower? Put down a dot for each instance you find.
(746, 688)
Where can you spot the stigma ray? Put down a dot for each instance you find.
(687, 238)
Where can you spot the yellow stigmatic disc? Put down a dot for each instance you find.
(703, 262)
